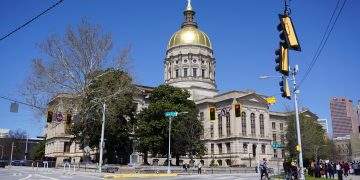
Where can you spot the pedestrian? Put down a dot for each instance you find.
(263, 169)
(199, 168)
(339, 171)
(330, 170)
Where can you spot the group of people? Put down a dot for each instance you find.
(328, 169)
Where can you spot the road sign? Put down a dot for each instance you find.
(170, 114)
(59, 117)
(271, 100)
(277, 145)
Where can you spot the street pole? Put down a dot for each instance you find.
(169, 155)
(26, 147)
(301, 165)
(2, 151)
(12, 150)
(102, 138)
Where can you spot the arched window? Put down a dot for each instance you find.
(252, 119)
(243, 123)
(228, 130)
(262, 131)
(220, 125)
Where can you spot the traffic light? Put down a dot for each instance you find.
(284, 88)
(297, 148)
(237, 110)
(49, 116)
(288, 33)
(68, 119)
(212, 113)
(282, 60)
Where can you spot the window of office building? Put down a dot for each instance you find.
(228, 148)
(281, 126)
(243, 123)
(252, 120)
(212, 149)
(274, 138)
(185, 72)
(203, 73)
(220, 148)
(228, 130)
(282, 139)
(67, 146)
(263, 148)
(273, 125)
(194, 72)
(177, 73)
(262, 126)
(275, 153)
(245, 148)
(220, 126)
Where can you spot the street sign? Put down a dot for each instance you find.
(271, 100)
(277, 145)
(59, 117)
(170, 114)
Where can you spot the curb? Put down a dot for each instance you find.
(139, 176)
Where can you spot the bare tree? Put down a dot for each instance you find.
(68, 62)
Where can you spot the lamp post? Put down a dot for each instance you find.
(12, 150)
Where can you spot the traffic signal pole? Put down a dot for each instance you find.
(296, 91)
(102, 138)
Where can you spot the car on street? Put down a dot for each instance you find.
(109, 168)
(18, 163)
(3, 163)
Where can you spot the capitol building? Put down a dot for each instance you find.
(231, 139)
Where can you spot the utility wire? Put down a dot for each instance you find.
(31, 20)
(323, 41)
(27, 104)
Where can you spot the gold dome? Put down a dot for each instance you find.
(189, 35)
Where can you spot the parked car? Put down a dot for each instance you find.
(3, 163)
(109, 168)
(18, 163)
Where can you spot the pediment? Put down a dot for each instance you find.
(253, 98)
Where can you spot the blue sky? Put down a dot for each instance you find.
(243, 34)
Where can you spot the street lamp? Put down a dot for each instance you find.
(295, 92)
(102, 138)
(170, 115)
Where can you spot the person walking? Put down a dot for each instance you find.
(339, 171)
(263, 169)
(199, 168)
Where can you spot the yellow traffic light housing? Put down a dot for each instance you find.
(288, 33)
(212, 113)
(49, 116)
(68, 119)
(237, 108)
(298, 148)
(284, 88)
(282, 60)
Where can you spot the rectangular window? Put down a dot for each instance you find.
(243, 123)
(275, 153)
(252, 124)
(282, 153)
(67, 147)
(211, 131)
(203, 73)
(228, 148)
(281, 126)
(220, 148)
(194, 72)
(245, 149)
(274, 138)
(185, 72)
(201, 116)
(177, 73)
(273, 125)
(212, 148)
(263, 149)
(282, 139)
(262, 126)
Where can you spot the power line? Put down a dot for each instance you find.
(20, 102)
(31, 20)
(323, 41)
